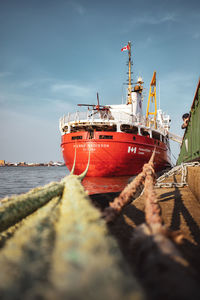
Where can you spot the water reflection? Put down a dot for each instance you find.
(97, 185)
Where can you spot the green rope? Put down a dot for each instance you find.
(86, 260)
(61, 251)
(15, 208)
(25, 257)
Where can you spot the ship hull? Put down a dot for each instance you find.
(112, 153)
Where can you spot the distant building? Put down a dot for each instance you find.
(22, 164)
(59, 164)
(2, 163)
(9, 164)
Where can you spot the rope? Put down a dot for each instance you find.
(132, 190)
(152, 208)
(15, 208)
(84, 252)
(62, 250)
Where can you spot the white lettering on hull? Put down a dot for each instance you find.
(140, 151)
(132, 149)
(144, 150)
(92, 146)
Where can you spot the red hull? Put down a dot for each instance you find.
(116, 154)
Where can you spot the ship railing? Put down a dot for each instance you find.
(88, 116)
(95, 116)
(116, 117)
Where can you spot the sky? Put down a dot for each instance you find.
(56, 54)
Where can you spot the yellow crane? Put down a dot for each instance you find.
(152, 98)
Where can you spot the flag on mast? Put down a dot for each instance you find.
(125, 48)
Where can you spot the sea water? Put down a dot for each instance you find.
(18, 180)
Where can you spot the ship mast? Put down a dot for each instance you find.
(129, 100)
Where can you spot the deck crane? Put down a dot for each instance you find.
(152, 98)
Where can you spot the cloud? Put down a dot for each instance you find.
(53, 97)
(47, 88)
(5, 74)
(155, 20)
(170, 17)
(30, 83)
(56, 105)
(78, 8)
(196, 35)
(72, 90)
(148, 19)
(35, 82)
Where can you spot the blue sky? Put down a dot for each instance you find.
(55, 54)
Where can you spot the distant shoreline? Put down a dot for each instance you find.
(23, 164)
(32, 166)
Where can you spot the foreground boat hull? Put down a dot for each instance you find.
(112, 153)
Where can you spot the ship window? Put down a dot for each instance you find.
(134, 138)
(102, 127)
(91, 134)
(65, 128)
(134, 130)
(144, 132)
(129, 129)
(106, 137)
(78, 137)
(156, 142)
(77, 128)
(112, 128)
(155, 135)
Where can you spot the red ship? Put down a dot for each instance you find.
(118, 139)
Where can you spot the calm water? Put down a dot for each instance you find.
(17, 180)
